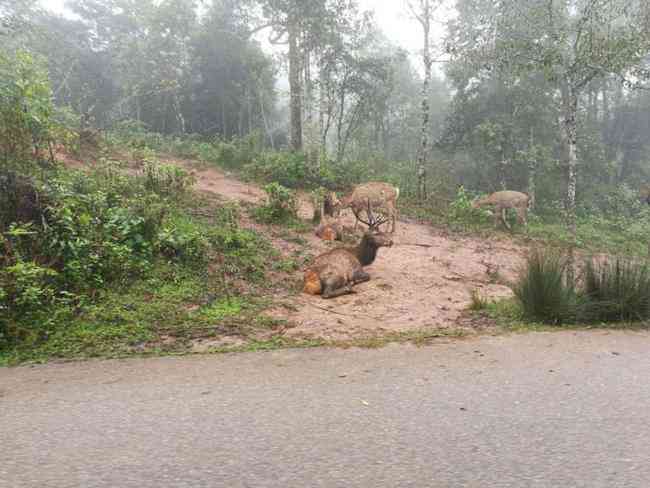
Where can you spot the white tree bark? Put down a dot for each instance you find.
(570, 124)
(423, 14)
(295, 88)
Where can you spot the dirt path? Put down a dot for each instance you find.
(412, 287)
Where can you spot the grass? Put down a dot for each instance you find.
(478, 302)
(171, 303)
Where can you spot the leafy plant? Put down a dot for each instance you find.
(25, 106)
(617, 290)
(462, 215)
(542, 290)
(281, 207)
(165, 179)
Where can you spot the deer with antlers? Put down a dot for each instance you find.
(382, 196)
(333, 273)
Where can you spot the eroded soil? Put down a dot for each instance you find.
(424, 281)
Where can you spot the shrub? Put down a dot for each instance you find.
(184, 240)
(461, 214)
(27, 293)
(21, 200)
(617, 290)
(166, 180)
(287, 169)
(542, 290)
(25, 106)
(243, 252)
(282, 206)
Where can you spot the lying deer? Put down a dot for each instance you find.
(503, 200)
(330, 231)
(380, 195)
(333, 273)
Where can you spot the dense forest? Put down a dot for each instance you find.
(334, 85)
(546, 97)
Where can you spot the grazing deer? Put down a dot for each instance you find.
(644, 194)
(503, 200)
(333, 273)
(380, 195)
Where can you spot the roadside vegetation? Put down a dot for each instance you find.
(106, 249)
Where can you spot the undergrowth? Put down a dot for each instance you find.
(105, 264)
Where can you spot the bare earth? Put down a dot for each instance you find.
(412, 287)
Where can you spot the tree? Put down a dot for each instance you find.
(570, 42)
(423, 11)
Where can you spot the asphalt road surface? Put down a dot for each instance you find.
(557, 410)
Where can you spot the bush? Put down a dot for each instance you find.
(166, 180)
(287, 169)
(282, 206)
(183, 240)
(27, 293)
(25, 106)
(244, 252)
(542, 290)
(617, 290)
(462, 215)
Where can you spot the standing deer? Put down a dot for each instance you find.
(503, 200)
(333, 273)
(380, 195)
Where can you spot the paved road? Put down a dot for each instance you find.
(540, 410)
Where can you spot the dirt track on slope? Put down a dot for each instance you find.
(412, 287)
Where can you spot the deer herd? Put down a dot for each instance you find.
(335, 272)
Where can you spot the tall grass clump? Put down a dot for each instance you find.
(542, 289)
(617, 290)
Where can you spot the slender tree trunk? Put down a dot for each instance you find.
(532, 170)
(339, 126)
(265, 120)
(179, 114)
(425, 21)
(571, 133)
(295, 87)
(311, 132)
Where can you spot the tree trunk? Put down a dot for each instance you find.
(425, 21)
(571, 133)
(295, 87)
(532, 170)
(265, 120)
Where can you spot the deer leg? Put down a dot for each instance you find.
(335, 286)
(504, 218)
(337, 292)
(521, 216)
(360, 276)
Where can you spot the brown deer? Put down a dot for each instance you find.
(503, 200)
(330, 231)
(333, 273)
(380, 195)
(644, 194)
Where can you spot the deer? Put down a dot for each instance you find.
(381, 195)
(330, 231)
(503, 200)
(644, 194)
(335, 272)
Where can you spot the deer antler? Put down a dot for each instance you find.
(372, 222)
